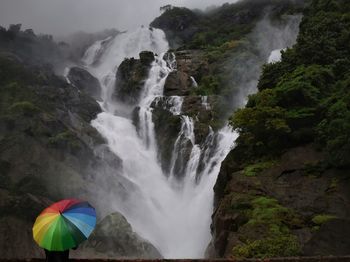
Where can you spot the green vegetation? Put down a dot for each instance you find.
(334, 183)
(304, 98)
(255, 169)
(209, 85)
(65, 139)
(268, 210)
(273, 222)
(24, 108)
(281, 246)
(323, 218)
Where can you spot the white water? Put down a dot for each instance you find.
(174, 215)
(194, 82)
(205, 103)
(66, 73)
(275, 56)
(171, 103)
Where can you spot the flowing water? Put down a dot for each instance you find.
(173, 214)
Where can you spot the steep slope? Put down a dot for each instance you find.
(284, 189)
(48, 149)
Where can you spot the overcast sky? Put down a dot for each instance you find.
(60, 17)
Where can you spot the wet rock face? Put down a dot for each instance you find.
(306, 203)
(177, 84)
(167, 127)
(115, 238)
(85, 82)
(191, 65)
(331, 239)
(131, 77)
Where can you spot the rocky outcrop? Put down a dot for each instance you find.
(130, 78)
(293, 202)
(114, 238)
(191, 67)
(167, 127)
(179, 25)
(85, 82)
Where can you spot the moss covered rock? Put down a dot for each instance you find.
(285, 207)
(130, 78)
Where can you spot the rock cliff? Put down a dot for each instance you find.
(294, 206)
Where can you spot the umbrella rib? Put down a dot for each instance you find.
(49, 234)
(80, 237)
(70, 236)
(40, 228)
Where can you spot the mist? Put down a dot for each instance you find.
(61, 17)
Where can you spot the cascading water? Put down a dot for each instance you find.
(173, 214)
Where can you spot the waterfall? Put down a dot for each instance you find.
(153, 88)
(194, 82)
(275, 56)
(205, 103)
(171, 103)
(174, 215)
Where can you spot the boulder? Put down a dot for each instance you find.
(114, 237)
(191, 66)
(85, 82)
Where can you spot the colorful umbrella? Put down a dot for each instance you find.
(64, 225)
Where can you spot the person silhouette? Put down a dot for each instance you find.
(57, 256)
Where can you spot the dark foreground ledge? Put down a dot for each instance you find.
(292, 259)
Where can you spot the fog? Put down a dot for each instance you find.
(60, 17)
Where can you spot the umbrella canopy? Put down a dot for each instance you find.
(64, 225)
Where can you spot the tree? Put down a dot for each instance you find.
(166, 8)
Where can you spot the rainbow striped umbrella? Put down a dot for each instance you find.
(64, 225)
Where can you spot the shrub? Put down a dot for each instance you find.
(24, 108)
(255, 169)
(267, 232)
(322, 219)
(277, 246)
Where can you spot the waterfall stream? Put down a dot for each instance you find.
(173, 214)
